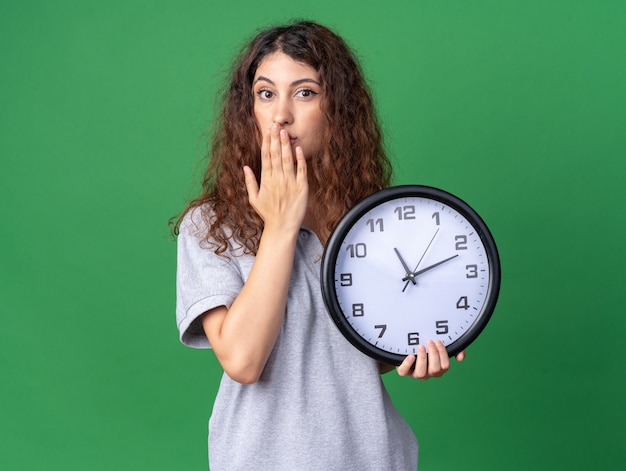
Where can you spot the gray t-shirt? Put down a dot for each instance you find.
(319, 404)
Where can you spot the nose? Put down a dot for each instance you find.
(283, 113)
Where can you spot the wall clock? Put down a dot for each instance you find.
(409, 264)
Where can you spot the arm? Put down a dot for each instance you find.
(244, 335)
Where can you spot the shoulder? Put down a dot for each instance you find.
(199, 225)
(197, 221)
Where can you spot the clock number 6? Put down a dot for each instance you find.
(413, 338)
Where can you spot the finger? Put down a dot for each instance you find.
(434, 361)
(443, 358)
(460, 356)
(404, 369)
(275, 148)
(266, 162)
(421, 365)
(301, 165)
(287, 155)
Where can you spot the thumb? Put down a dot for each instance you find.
(251, 184)
(460, 356)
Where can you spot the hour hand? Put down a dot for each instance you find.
(409, 274)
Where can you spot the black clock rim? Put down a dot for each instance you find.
(333, 245)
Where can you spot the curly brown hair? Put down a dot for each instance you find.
(352, 165)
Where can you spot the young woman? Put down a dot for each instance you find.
(296, 146)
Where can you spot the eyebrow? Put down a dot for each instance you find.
(293, 84)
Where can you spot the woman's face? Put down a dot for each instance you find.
(289, 93)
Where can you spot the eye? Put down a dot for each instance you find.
(306, 93)
(265, 94)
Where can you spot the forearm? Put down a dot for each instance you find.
(244, 336)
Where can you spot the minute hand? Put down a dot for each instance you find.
(429, 268)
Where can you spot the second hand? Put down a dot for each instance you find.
(423, 255)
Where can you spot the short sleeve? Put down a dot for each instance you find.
(204, 280)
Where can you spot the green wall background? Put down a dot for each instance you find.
(519, 107)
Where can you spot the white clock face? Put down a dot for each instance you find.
(409, 270)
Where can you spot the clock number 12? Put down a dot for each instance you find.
(405, 212)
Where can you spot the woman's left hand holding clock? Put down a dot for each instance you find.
(428, 364)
